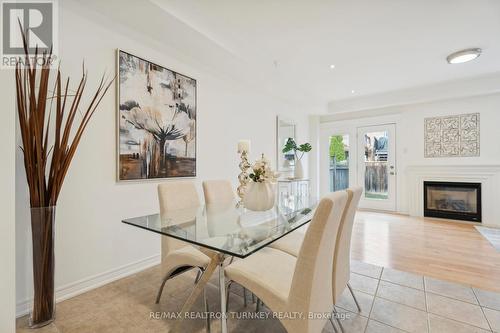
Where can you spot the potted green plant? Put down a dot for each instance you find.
(48, 111)
(298, 151)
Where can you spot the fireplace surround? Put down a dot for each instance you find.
(453, 200)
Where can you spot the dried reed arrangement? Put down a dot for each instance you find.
(49, 142)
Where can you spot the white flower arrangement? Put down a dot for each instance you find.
(262, 172)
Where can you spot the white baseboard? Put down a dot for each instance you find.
(79, 287)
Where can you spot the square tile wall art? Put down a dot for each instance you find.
(157, 121)
(450, 136)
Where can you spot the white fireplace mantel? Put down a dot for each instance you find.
(487, 175)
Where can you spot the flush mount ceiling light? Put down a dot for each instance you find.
(332, 66)
(463, 56)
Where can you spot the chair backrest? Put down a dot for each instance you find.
(177, 195)
(312, 284)
(173, 196)
(342, 255)
(218, 191)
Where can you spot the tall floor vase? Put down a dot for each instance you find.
(42, 234)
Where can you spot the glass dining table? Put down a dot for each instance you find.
(222, 231)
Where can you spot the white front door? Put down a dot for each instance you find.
(376, 166)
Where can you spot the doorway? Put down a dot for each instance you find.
(376, 166)
(353, 155)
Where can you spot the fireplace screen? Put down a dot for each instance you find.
(452, 200)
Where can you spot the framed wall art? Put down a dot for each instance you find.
(450, 136)
(157, 121)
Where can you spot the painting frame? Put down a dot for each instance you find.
(119, 179)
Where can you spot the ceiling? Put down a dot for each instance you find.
(377, 46)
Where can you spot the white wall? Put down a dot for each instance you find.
(314, 155)
(7, 189)
(409, 121)
(411, 134)
(92, 245)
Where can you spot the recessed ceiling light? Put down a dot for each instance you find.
(463, 56)
(352, 91)
(332, 66)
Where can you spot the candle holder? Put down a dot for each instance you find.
(243, 177)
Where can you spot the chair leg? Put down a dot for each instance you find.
(257, 307)
(354, 297)
(165, 279)
(333, 324)
(198, 276)
(228, 287)
(338, 320)
(169, 275)
(207, 310)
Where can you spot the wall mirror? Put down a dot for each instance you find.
(285, 128)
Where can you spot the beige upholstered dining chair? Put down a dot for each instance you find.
(218, 191)
(341, 259)
(297, 285)
(176, 256)
(220, 197)
(221, 192)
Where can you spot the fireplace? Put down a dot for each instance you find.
(452, 200)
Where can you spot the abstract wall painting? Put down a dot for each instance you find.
(452, 136)
(157, 121)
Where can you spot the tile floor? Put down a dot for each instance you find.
(396, 301)
(391, 301)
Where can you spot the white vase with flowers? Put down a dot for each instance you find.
(261, 191)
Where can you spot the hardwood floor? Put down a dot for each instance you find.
(446, 250)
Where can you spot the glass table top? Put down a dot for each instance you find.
(224, 228)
